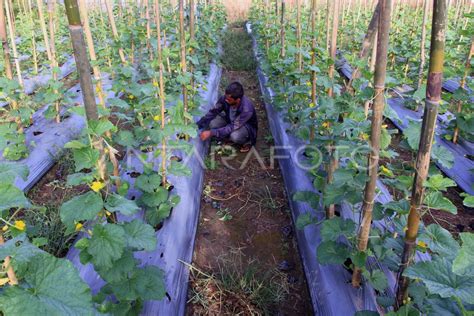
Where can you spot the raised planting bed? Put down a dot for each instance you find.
(176, 236)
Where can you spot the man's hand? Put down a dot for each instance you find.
(205, 135)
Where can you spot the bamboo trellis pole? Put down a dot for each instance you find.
(433, 98)
(6, 59)
(182, 45)
(422, 44)
(39, 4)
(161, 84)
(11, 32)
(52, 44)
(33, 39)
(110, 14)
(376, 127)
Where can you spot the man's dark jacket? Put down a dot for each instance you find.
(246, 117)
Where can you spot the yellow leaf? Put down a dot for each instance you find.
(108, 213)
(20, 225)
(156, 118)
(5, 228)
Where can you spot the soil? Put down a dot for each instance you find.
(463, 221)
(244, 210)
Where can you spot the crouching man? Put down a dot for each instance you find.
(232, 118)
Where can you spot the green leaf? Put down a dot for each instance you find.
(120, 269)
(439, 279)
(331, 252)
(106, 245)
(118, 203)
(156, 215)
(20, 249)
(405, 310)
(80, 208)
(304, 220)
(310, 197)
(148, 182)
(179, 169)
(79, 178)
(75, 144)
(442, 155)
(335, 227)
(468, 200)
(146, 284)
(412, 133)
(140, 236)
(437, 201)
(359, 259)
(125, 138)
(85, 158)
(51, 287)
(366, 313)
(440, 241)
(377, 279)
(11, 197)
(464, 263)
(154, 199)
(9, 171)
(439, 183)
(100, 127)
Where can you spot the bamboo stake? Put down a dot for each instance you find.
(12, 40)
(7, 61)
(54, 64)
(374, 53)
(161, 90)
(463, 86)
(85, 80)
(39, 4)
(376, 126)
(282, 29)
(368, 41)
(333, 44)
(328, 23)
(433, 98)
(110, 14)
(313, 63)
(422, 44)
(298, 35)
(33, 39)
(182, 44)
(98, 83)
(148, 29)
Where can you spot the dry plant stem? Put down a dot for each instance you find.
(6, 58)
(433, 98)
(422, 43)
(313, 63)
(83, 67)
(98, 84)
(463, 85)
(11, 32)
(110, 14)
(161, 90)
(7, 264)
(182, 45)
(376, 127)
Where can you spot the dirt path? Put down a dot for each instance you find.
(246, 259)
